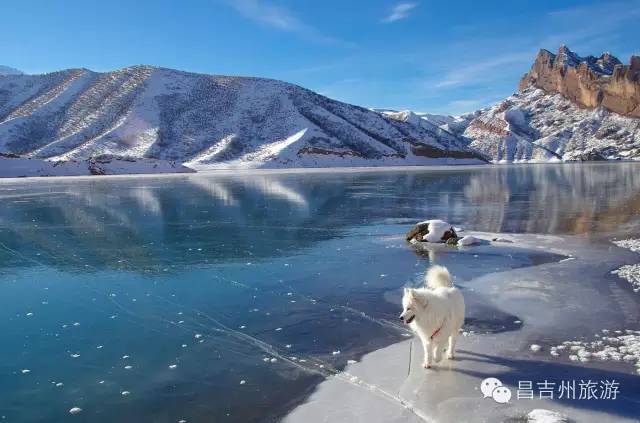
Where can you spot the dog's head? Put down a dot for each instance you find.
(411, 305)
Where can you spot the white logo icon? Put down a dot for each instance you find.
(492, 388)
(488, 385)
(501, 394)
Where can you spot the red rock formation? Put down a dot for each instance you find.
(588, 81)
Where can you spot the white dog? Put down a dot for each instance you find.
(435, 313)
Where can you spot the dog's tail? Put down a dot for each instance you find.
(438, 277)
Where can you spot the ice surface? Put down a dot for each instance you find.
(129, 239)
(542, 299)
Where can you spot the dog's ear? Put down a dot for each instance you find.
(411, 293)
(417, 299)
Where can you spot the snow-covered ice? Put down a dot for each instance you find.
(541, 415)
(446, 392)
(468, 240)
(630, 272)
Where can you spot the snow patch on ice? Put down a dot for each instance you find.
(541, 415)
(631, 244)
(468, 240)
(623, 346)
(630, 272)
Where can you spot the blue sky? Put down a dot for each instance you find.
(425, 55)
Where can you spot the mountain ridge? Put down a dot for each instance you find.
(588, 81)
(216, 121)
(206, 121)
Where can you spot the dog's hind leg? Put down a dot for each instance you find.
(437, 352)
(452, 346)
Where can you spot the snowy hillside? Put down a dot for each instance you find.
(12, 166)
(569, 108)
(6, 70)
(205, 122)
(536, 126)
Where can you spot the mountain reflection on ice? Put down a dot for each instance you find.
(192, 297)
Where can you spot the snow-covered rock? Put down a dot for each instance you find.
(434, 230)
(437, 228)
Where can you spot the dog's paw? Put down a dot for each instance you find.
(426, 365)
(450, 357)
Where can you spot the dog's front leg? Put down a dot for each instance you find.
(452, 346)
(428, 359)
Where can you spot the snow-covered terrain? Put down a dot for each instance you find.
(214, 122)
(536, 126)
(206, 122)
(6, 70)
(17, 167)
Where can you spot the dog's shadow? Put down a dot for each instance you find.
(626, 403)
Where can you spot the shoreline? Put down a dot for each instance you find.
(450, 391)
(308, 170)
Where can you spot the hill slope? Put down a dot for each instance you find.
(206, 122)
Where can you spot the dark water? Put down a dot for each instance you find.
(252, 288)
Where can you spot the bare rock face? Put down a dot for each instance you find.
(588, 81)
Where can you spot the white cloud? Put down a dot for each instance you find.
(399, 12)
(481, 70)
(266, 13)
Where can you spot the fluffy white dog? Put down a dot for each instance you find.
(435, 313)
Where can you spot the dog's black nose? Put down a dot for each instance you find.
(401, 318)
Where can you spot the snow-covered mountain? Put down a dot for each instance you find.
(6, 70)
(536, 126)
(206, 121)
(568, 108)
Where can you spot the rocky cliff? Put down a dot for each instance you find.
(569, 108)
(588, 81)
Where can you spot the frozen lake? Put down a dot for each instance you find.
(231, 297)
